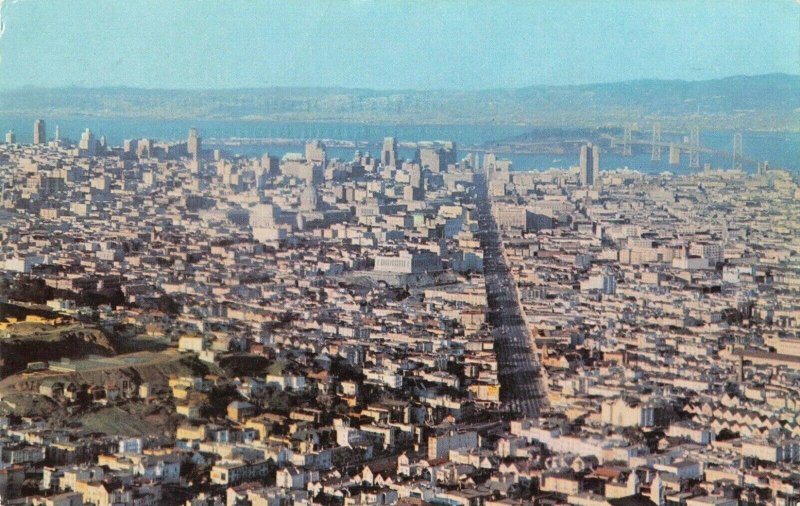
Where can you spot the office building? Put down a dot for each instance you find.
(415, 176)
(264, 215)
(406, 262)
(144, 148)
(492, 164)
(39, 133)
(193, 144)
(315, 153)
(87, 145)
(296, 165)
(489, 161)
(432, 158)
(450, 154)
(309, 200)
(590, 164)
(270, 164)
(389, 152)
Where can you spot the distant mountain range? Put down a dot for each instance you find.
(764, 102)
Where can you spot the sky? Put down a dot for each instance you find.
(428, 44)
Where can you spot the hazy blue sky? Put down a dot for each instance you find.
(391, 44)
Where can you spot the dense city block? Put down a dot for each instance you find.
(182, 325)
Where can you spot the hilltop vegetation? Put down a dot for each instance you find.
(38, 342)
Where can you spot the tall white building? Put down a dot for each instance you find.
(87, 146)
(193, 144)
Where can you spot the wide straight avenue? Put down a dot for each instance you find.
(519, 373)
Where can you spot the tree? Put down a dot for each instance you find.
(168, 305)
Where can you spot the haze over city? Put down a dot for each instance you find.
(422, 253)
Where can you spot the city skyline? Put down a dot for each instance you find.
(497, 292)
(440, 326)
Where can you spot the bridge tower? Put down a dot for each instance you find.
(738, 152)
(694, 148)
(626, 141)
(656, 156)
